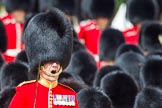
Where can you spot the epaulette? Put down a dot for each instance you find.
(26, 82)
(67, 87)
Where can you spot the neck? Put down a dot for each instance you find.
(47, 83)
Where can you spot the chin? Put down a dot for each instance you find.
(53, 79)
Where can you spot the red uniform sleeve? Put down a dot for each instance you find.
(18, 99)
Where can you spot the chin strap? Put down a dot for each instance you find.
(35, 94)
(49, 73)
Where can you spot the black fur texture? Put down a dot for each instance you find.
(83, 64)
(3, 40)
(21, 57)
(13, 74)
(150, 34)
(93, 98)
(151, 73)
(126, 48)
(131, 63)
(142, 10)
(149, 98)
(12, 5)
(102, 72)
(109, 42)
(67, 6)
(121, 89)
(102, 8)
(6, 96)
(48, 38)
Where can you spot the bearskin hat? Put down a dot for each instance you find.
(3, 40)
(77, 45)
(149, 98)
(151, 73)
(151, 36)
(131, 63)
(65, 75)
(67, 6)
(6, 96)
(76, 85)
(48, 38)
(34, 6)
(83, 64)
(142, 10)
(102, 8)
(102, 72)
(21, 57)
(121, 89)
(160, 6)
(85, 9)
(93, 98)
(44, 5)
(126, 48)
(12, 5)
(109, 42)
(2, 61)
(13, 74)
(157, 54)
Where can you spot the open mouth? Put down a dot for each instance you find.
(53, 71)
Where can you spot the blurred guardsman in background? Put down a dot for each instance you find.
(14, 22)
(139, 11)
(100, 13)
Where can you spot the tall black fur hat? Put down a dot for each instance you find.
(44, 5)
(12, 5)
(102, 72)
(126, 48)
(109, 42)
(151, 36)
(154, 55)
(48, 38)
(121, 89)
(102, 8)
(21, 57)
(141, 10)
(76, 85)
(13, 74)
(3, 40)
(131, 63)
(151, 73)
(149, 98)
(2, 61)
(85, 9)
(83, 64)
(160, 6)
(67, 6)
(77, 45)
(6, 96)
(93, 98)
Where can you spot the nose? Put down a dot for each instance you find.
(54, 64)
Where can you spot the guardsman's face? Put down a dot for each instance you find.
(52, 68)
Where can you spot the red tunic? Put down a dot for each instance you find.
(14, 31)
(91, 35)
(24, 97)
(131, 35)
